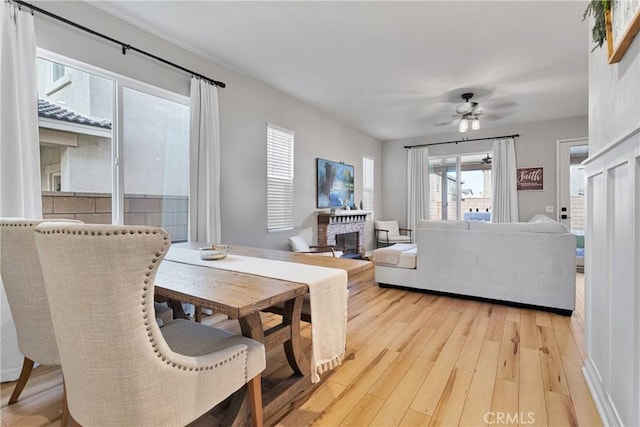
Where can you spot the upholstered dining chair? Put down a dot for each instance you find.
(124, 369)
(27, 297)
(389, 233)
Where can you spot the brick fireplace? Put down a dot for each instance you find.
(348, 225)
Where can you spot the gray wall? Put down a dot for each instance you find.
(246, 106)
(614, 97)
(536, 146)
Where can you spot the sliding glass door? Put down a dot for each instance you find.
(112, 150)
(461, 187)
(155, 167)
(76, 128)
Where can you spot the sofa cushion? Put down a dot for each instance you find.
(444, 225)
(521, 227)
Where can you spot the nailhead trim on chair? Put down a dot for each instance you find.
(153, 264)
(18, 225)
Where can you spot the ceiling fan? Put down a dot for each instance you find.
(467, 108)
(468, 112)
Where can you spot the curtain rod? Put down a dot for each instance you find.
(463, 140)
(125, 46)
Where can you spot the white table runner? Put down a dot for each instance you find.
(327, 293)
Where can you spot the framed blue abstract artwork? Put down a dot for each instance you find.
(335, 184)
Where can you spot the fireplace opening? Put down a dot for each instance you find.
(348, 242)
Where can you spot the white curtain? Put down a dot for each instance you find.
(204, 164)
(418, 198)
(19, 146)
(504, 191)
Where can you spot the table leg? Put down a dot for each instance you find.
(293, 346)
(251, 326)
(288, 335)
(238, 410)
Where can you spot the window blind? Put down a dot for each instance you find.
(279, 178)
(367, 183)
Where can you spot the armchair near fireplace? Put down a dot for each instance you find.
(298, 243)
(388, 233)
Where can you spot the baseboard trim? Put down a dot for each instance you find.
(608, 413)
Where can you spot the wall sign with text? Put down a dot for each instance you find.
(530, 179)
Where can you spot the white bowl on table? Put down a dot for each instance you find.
(214, 252)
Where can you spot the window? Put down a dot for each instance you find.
(85, 127)
(461, 187)
(367, 183)
(279, 178)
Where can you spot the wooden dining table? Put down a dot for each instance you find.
(243, 296)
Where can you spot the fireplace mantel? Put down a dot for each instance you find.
(344, 212)
(343, 216)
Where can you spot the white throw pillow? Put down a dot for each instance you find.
(298, 244)
(540, 218)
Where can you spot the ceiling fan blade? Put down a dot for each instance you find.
(444, 120)
(500, 116)
(501, 105)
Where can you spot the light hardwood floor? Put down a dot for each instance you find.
(415, 359)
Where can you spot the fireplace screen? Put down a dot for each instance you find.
(348, 242)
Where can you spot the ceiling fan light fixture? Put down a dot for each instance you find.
(463, 126)
(475, 124)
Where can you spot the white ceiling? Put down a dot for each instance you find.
(393, 69)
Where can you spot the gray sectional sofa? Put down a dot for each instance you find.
(532, 263)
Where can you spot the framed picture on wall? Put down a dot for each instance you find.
(623, 26)
(530, 178)
(335, 184)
